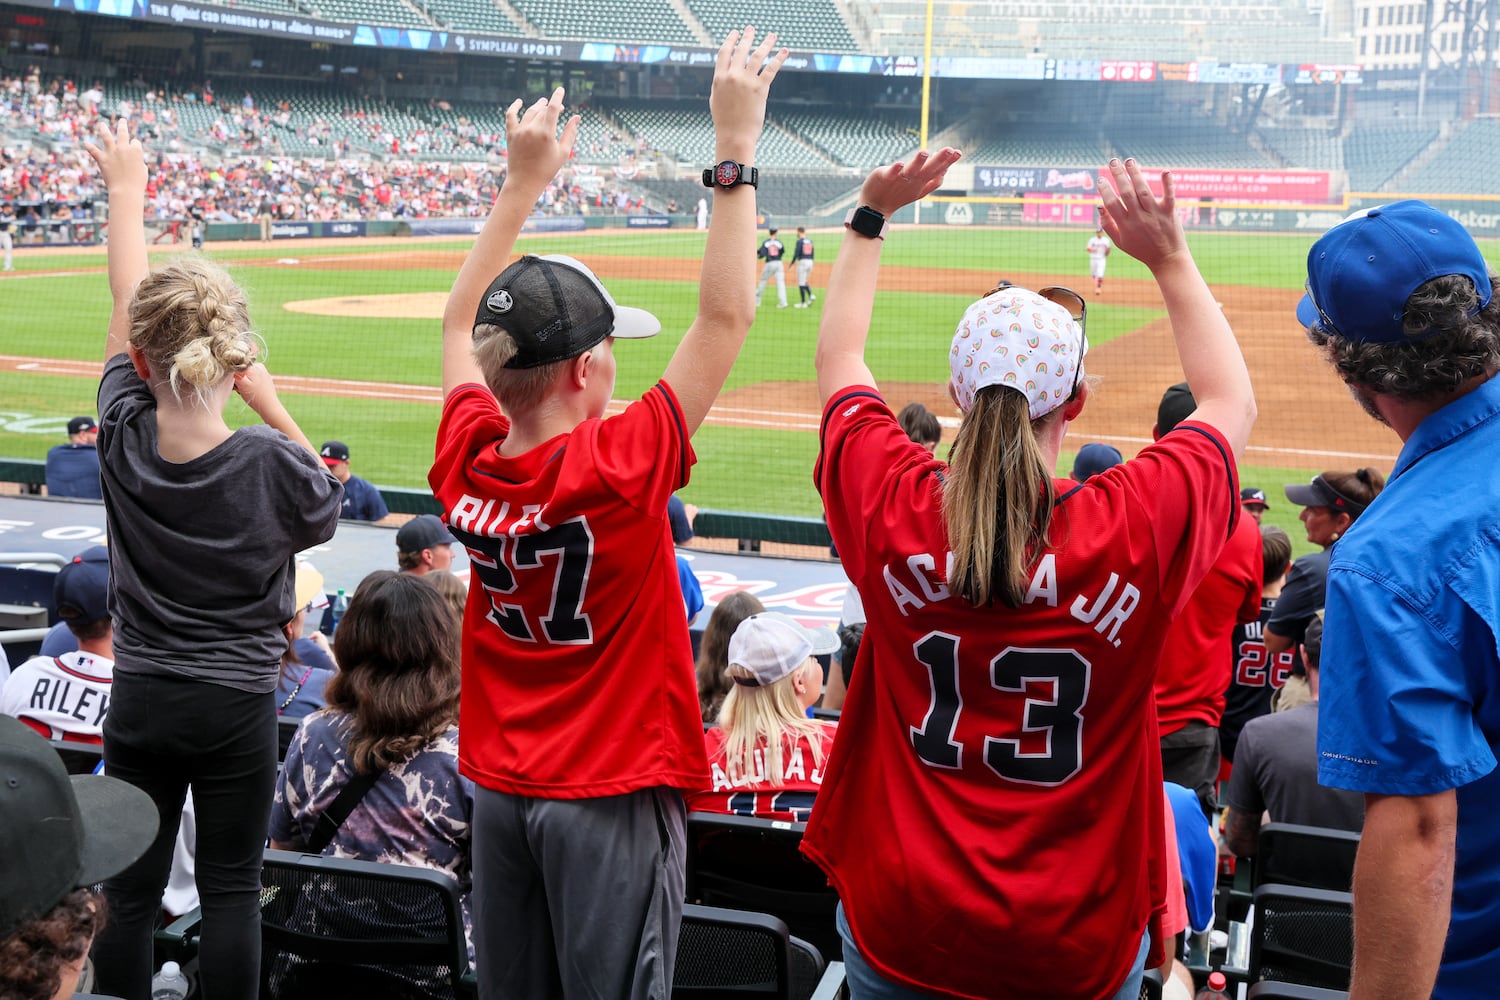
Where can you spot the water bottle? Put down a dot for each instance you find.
(169, 983)
(1217, 988)
(340, 605)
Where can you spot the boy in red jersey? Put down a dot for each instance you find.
(580, 720)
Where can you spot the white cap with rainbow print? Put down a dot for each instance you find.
(1016, 338)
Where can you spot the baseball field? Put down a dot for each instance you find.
(352, 335)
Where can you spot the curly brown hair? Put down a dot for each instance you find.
(32, 958)
(1452, 341)
(398, 653)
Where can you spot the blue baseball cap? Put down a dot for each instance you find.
(1362, 271)
(1094, 458)
(81, 589)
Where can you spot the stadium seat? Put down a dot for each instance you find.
(79, 758)
(333, 927)
(1309, 856)
(728, 954)
(1303, 936)
(1151, 985)
(1291, 991)
(748, 863)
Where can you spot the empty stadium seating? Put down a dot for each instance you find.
(1305, 149)
(1187, 147)
(1452, 170)
(1031, 145)
(1373, 155)
(608, 20)
(808, 24)
(682, 128)
(473, 15)
(856, 141)
(393, 12)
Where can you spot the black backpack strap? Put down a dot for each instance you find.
(339, 809)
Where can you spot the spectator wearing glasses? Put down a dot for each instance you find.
(1012, 631)
(1330, 505)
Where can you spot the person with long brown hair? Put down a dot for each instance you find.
(392, 709)
(713, 649)
(995, 779)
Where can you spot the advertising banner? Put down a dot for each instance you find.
(648, 222)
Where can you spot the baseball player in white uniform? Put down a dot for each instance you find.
(67, 696)
(1098, 249)
(702, 213)
(773, 252)
(7, 226)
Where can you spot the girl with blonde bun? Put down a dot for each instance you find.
(204, 522)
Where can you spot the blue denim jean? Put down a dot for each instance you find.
(867, 984)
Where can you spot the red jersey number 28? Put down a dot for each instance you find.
(1055, 683)
(567, 552)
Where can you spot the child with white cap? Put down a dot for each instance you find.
(765, 755)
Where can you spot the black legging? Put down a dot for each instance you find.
(164, 735)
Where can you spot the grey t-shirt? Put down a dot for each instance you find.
(1276, 771)
(201, 552)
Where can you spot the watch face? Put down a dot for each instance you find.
(727, 174)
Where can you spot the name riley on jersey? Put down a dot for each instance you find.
(916, 583)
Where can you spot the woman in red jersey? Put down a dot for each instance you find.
(765, 756)
(990, 813)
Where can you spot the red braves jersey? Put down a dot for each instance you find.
(577, 666)
(61, 697)
(732, 791)
(994, 780)
(1193, 672)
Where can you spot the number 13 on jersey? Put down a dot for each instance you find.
(1053, 685)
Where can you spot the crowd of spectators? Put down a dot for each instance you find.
(249, 163)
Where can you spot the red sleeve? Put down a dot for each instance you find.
(863, 449)
(471, 418)
(1188, 484)
(644, 453)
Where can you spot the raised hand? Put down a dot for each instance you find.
(899, 184)
(1144, 226)
(120, 158)
(534, 150)
(742, 80)
(257, 389)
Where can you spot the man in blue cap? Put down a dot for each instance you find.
(1400, 301)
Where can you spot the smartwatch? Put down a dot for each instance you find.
(730, 174)
(867, 222)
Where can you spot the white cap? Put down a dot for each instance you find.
(771, 645)
(1018, 339)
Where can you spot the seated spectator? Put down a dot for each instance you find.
(73, 468)
(1253, 502)
(921, 425)
(424, 545)
(1094, 458)
(766, 756)
(392, 720)
(692, 591)
(453, 590)
(67, 696)
(308, 664)
(60, 837)
(1256, 675)
(1276, 770)
(680, 516)
(713, 649)
(362, 502)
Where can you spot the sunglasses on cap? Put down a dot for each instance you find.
(1072, 303)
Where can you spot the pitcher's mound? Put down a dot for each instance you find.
(405, 305)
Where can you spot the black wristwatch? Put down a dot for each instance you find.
(867, 222)
(730, 174)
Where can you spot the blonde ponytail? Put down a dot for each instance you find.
(768, 717)
(190, 320)
(997, 499)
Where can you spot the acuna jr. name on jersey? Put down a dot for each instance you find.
(915, 582)
(794, 767)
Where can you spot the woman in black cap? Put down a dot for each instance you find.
(1330, 504)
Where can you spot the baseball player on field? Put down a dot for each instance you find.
(580, 721)
(772, 251)
(1099, 247)
(802, 256)
(1014, 623)
(7, 227)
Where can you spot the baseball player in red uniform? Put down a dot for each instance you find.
(991, 789)
(580, 722)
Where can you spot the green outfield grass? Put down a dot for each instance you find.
(767, 469)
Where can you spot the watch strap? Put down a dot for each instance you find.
(867, 222)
